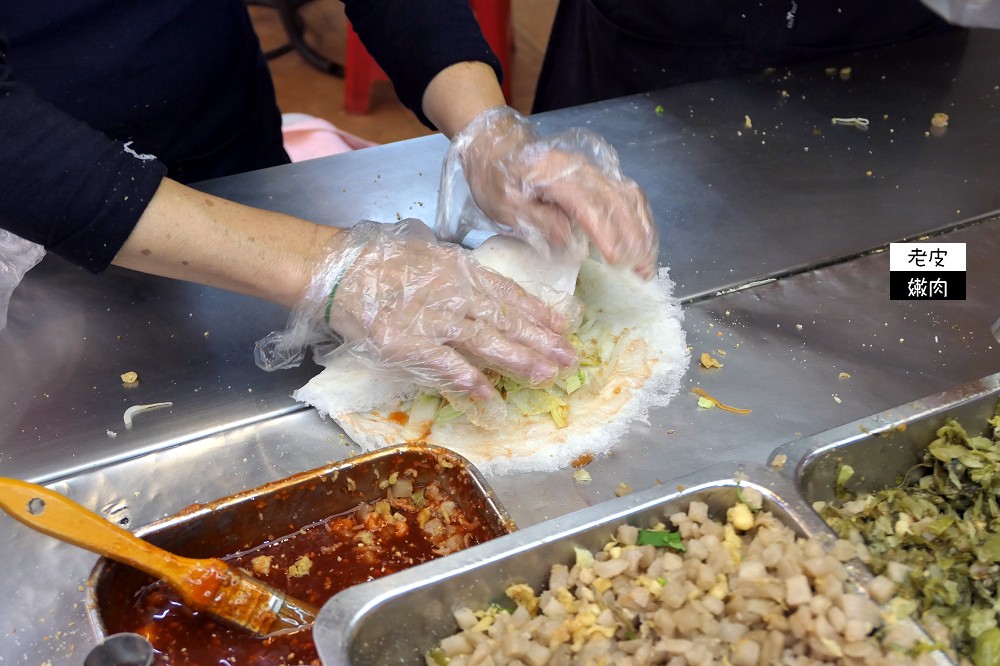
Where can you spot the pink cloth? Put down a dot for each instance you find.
(308, 137)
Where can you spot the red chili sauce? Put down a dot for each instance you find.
(373, 540)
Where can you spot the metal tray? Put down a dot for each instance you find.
(882, 447)
(396, 619)
(239, 522)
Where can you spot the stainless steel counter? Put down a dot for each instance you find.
(735, 205)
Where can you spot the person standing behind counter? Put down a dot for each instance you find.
(108, 108)
(600, 49)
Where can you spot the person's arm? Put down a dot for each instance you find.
(189, 235)
(415, 42)
(418, 309)
(66, 186)
(549, 192)
(560, 191)
(91, 200)
(459, 93)
(413, 306)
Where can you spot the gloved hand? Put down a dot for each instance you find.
(554, 192)
(17, 257)
(425, 311)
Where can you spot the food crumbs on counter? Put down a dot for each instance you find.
(623, 489)
(860, 123)
(779, 461)
(705, 403)
(138, 409)
(205, 334)
(582, 461)
(844, 375)
(720, 352)
(845, 73)
(747, 122)
(582, 476)
(831, 71)
(735, 410)
(939, 120)
(836, 398)
(112, 434)
(659, 109)
(300, 568)
(707, 361)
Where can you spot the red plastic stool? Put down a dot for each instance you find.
(360, 70)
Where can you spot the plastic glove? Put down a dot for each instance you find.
(427, 312)
(17, 257)
(967, 13)
(554, 192)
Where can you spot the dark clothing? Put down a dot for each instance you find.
(91, 89)
(414, 40)
(601, 49)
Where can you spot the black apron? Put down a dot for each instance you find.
(601, 49)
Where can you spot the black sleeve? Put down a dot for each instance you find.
(412, 41)
(65, 185)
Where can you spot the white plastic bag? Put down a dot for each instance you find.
(968, 13)
(17, 257)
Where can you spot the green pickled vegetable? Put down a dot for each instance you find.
(938, 534)
(660, 539)
(987, 652)
(844, 475)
